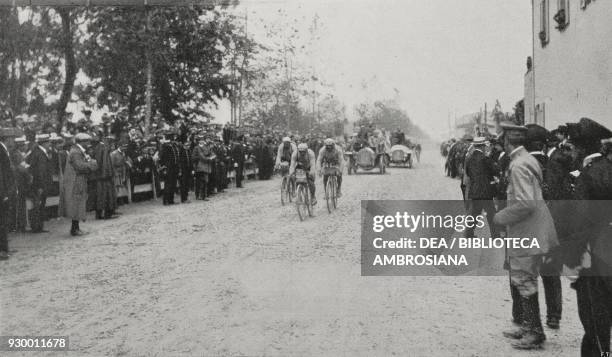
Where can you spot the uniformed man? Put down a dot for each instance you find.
(169, 161)
(238, 157)
(552, 266)
(590, 249)
(185, 170)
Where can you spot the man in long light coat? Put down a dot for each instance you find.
(526, 215)
(78, 168)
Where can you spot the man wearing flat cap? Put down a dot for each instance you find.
(526, 215)
(78, 168)
(41, 168)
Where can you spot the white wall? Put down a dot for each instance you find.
(573, 72)
(529, 98)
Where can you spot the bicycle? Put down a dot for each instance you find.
(331, 187)
(302, 201)
(287, 185)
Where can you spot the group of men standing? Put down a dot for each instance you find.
(200, 164)
(555, 186)
(83, 171)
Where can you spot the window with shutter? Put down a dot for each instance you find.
(562, 15)
(544, 33)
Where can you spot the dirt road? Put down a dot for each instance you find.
(241, 276)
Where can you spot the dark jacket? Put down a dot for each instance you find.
(169, 156)
(7, 179)
(238, 153)
(481, 171)
(41, 168)
(593, 217)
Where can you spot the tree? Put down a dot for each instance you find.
(25, 53)
(388, 115)
(38, 53)
(185, 45)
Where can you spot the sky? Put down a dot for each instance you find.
(434, 57)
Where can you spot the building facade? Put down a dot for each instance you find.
(570, 76)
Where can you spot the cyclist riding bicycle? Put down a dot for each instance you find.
(332, 155)
(285, 151)
(304, 159)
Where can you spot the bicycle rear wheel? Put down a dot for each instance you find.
(291, 189)
(300, 202)
(284, 190)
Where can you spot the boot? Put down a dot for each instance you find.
(533, 336)
(553, 295)
(517, 309)
(515, 333)
(204, 192)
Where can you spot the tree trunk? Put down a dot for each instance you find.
(69, 64)
(132, 103)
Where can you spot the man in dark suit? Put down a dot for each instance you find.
(481, 171)
(186, 170)
(7, 191)
(238, 152)
(552, 266)
(169, 161)
(42, 178)
(593, 253)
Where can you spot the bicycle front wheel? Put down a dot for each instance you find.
(335, 192)
(285, 190)
(329, 194)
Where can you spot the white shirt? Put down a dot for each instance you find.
(515, 150)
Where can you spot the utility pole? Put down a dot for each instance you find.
(448, 121)
(149, 90)
(485, 115)
(243, 68)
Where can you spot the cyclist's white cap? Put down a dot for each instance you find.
(302, 147)
(329, 141)
(286, 139)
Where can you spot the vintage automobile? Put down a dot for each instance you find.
(401, 155)
(365, 158)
